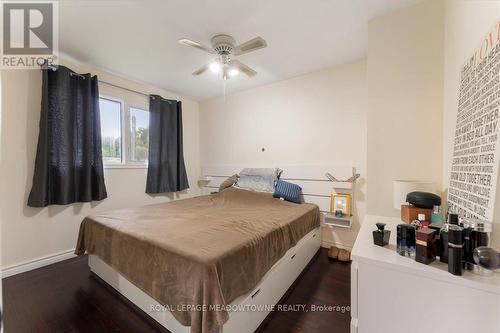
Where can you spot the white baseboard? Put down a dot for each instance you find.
(327, 244)
(37, 263)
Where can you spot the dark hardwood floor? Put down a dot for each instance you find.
(66, 297)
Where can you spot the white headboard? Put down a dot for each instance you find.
(315, 186)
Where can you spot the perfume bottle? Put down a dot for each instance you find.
(467, 249)
(453, 218)
(455, 249)
(437, 217)
(443, 237)
(381, 236)
(426, 249)
(405, 239)
(487, 257)
(476, 234)
(423, 222)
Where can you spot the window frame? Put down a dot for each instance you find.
(126, 133)
(129, 137)
(108, 164)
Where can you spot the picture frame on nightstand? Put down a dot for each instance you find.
(341, 202)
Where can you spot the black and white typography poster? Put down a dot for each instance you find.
(474, 168)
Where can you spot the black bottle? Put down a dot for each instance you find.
(381, 236)
(478, 238)
(443, 237)
(479, 235)
(475, 235)
(453, 218)
(455, 249)
(467, 250)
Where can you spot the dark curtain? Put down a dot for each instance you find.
(68, 166)
(166, 169)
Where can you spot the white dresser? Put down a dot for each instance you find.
(391, 293)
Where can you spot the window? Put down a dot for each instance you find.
(111, 130)
(124, 145)
(139, 135)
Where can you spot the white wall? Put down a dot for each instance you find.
(318, 118)
(467, 23)
(405, 100)
(29, 233)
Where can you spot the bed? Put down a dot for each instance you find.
(202, 264)
(207, 250)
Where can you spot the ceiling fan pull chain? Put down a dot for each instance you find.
(224, 90)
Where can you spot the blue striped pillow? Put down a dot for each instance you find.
(288, 191)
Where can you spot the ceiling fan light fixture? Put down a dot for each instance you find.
(224, 46)
(215, 67)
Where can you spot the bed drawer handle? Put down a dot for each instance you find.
(256, 293)
(293, 256)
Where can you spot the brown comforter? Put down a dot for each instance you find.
(205, 250)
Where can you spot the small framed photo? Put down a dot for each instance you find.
(341, 202)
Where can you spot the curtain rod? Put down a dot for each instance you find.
(116, 86)
(135, 91)
(124, 88)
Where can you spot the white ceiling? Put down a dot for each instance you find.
(138, 38)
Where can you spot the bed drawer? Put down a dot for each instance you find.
(299, 258)
(273, 286)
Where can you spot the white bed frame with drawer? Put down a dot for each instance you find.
(278, 279)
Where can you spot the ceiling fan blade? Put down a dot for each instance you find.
(201, 70)
(243, 68)
(251, 45)
(188, 42)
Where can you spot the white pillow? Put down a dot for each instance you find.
(258, 179)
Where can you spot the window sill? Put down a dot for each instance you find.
(125, 166)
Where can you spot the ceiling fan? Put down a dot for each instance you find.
(224, 46)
